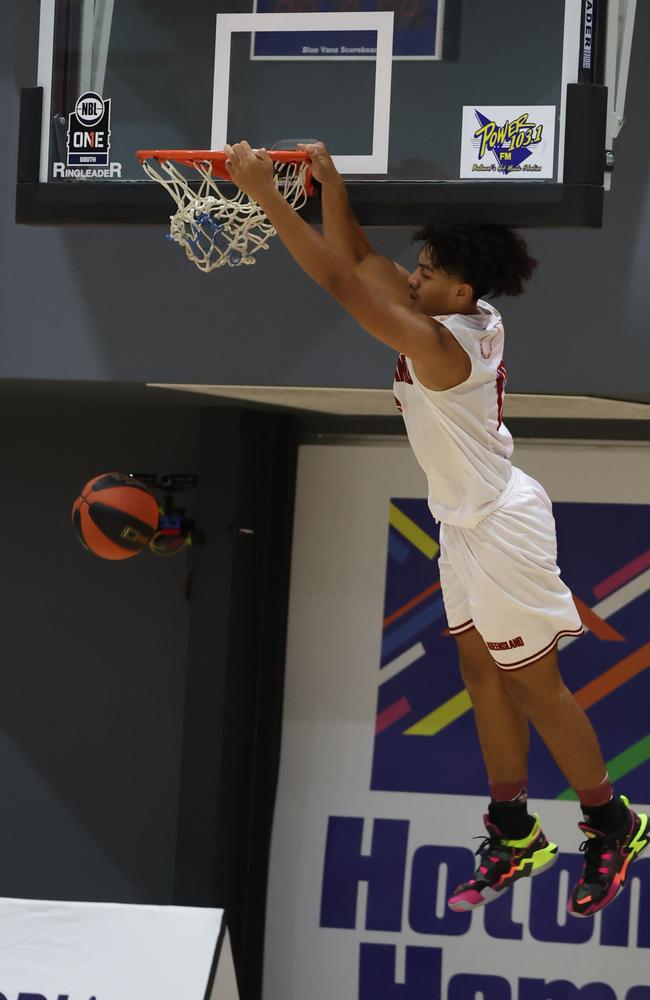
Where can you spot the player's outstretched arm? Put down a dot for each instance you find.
(343, 232)
(440, 362)
(340, 226)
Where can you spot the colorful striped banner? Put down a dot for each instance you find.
(411, 604)
(620, 765)
(412, 628)
(600, 628)
(587, 696)
(401, 662)
(427, 545)
(614, 678)
(616, 601)
(397, 550)
(392, 714)
(442, 716)
(622, 575)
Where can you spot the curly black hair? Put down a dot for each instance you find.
(494, 260)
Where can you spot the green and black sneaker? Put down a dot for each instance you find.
(502, 862)
(607, 862)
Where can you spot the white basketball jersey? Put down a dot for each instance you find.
(458, 435)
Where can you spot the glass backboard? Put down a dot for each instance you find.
(420, 101)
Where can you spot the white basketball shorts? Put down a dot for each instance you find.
(502, 578)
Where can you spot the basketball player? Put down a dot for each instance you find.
(506, 604)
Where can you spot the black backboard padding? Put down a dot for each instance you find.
(375, 203)
(586, 134)
(29, 138)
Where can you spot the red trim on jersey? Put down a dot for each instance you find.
(465, 627)
(537, 656)
(502, 378)
(402, 373)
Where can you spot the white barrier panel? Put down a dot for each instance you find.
(107, 951)
(375, 811)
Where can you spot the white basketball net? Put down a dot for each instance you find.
(212, 228)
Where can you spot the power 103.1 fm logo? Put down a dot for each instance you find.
(508, 142)
(88, 141)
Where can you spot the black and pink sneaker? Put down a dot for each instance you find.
(502, 862)
(607, 862)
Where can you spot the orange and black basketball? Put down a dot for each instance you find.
(115, 516)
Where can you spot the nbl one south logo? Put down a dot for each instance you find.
(88, 141)
(89, 132)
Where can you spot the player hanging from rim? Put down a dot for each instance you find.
(506, 604)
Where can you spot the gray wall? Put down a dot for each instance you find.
(93, 658)
(121, 304)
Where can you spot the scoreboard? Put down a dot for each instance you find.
(417, 35)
